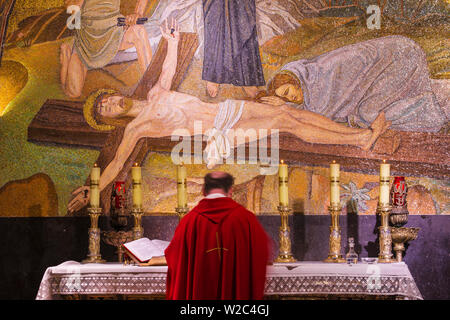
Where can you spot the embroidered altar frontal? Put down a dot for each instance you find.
(303, 279)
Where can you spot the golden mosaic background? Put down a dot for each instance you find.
(308, 189)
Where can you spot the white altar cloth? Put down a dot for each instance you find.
(282, 279)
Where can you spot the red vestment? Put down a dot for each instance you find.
(219, 251)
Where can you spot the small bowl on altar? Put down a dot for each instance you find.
(369, 260)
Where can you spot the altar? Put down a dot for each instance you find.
(299, 280)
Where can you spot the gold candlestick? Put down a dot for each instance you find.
(284, 254)
(181, 212)
(385, 235)
(138, 230)
(94, 255)
(334, 254)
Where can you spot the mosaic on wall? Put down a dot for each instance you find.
(351, 81)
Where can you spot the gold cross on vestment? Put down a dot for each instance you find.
(218, 247)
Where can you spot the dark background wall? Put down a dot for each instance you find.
(30, 245)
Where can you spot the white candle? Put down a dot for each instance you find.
(94, 199)
(283, 184)
(181, 186)
(384, 182)
(385, 169)
(334, 183)
(136, 175)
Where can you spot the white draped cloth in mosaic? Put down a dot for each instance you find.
(293, 279)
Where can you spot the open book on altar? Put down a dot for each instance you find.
(143, 249)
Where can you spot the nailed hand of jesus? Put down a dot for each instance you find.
(131, 19)
(80, 199)
(171, 33)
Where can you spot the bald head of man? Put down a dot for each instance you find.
(218, 182)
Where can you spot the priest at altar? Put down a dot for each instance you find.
(219, 249)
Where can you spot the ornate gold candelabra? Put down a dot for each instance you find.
(117, 239)
(181, 212)
(138, 230)
(284, 254)
(385, 235)
(400, 236)
(334, 254)
(94, 255)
